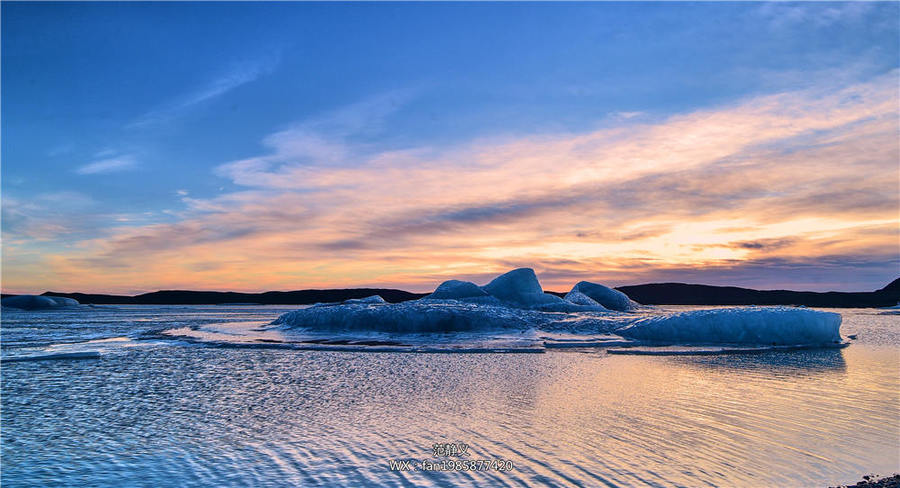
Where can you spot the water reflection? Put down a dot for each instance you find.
(193, 416)
(802, 362)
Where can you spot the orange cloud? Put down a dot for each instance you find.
(778, 182)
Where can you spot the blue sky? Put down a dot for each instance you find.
(119, 119)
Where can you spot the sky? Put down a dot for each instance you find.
(282, 146)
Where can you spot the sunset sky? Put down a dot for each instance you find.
(282, 146)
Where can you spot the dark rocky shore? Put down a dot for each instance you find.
(875, 481)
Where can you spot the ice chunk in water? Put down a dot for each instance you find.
(54, 356)
(516, 301)
(456, 289)
(420, 316)
(579, 298)
(370, 300)
(609, 298)
(520, 286)
(743, 325)
(37, 302)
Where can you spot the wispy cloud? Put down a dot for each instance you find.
(780, 181)
(319, 142)
(109, 165)
(237, 75)
(785, 15)
(46, 216)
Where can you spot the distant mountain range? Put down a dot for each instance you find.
(651, 294)
(184, 297)
(685, 294)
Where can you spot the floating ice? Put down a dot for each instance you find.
(369, 300)
(522, 287)
(515, 302)
(713, 350)
(37, 302)
(744, 325)
(420, 316)
(579, 298)
(456, 289)
(609, 298)
(54, 356)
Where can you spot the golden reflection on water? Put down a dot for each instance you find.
(740, 419)
(208, 416)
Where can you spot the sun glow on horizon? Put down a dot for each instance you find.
(790, 185)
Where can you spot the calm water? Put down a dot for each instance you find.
(156, 411)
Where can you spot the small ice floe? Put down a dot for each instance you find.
(600, 341)
(740, 325)
(605, 296)
(456, 289)
(370, 300)
(53, 356)
(712, 351)
(38, 302)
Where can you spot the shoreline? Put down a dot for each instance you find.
(649, 294)
(875, 481)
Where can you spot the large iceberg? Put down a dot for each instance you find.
(744, 325)
(518, 288)
(420, 316)
(515, 302)
(38, 302)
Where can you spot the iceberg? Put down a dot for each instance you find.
(579, 298)
(742, 325)
(520, 286)
(609, 298)
(515, 303)
(38, 302)
(419, 316)
(456, 289)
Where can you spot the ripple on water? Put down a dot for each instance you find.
(175, 415)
